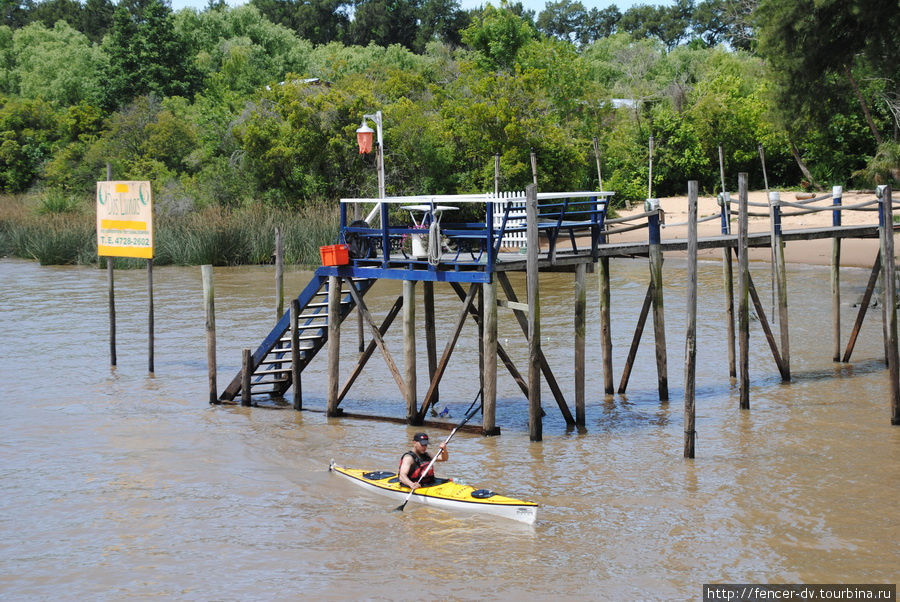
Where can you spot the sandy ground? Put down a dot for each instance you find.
(854, 252)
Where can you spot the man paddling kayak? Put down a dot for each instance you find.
(414, 462)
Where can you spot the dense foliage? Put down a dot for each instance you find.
(233, 107)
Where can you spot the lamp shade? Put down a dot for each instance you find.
(364, 137)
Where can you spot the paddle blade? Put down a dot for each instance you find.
(400, 507)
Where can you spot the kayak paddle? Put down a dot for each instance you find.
(471, 412)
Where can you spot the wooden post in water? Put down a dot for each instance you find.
(110, 282)
(246, 373)
(295, 355)
(781, 283)
(534, 315)
(743, 294)
(430, 338)
(690, 344)
(210, 306)
(409, 348)
(659, 322)
(728, 281)
(279, 274)
(605, 326)
(334, 342)
(836, 194)
(489, 370)
(890, 297)
(580, 318)
(150, 337)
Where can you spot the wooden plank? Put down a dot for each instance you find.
(445, 356)
(743, 295)
(863, 306)
(334, 341)
(534, 314)
(767, 330)
(690, 343)
(636, 339)
(209, 303)
(379, 340)
(580, 319)
(409, 347)
(295, 355)
(489, 370)
(514, 305)
(370, 348)
(606, 326)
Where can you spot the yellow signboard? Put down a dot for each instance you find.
(124, 219)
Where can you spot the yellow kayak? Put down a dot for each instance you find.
(444, 493)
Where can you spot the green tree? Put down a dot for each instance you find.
(146, 55)
(497, 34)
(319, 21)
(28, 133)
(385, 22)
(96, 16)
(58, 64)
(807, 40)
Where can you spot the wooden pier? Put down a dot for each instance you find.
(564, 232)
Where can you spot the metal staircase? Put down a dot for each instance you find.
(270, 365)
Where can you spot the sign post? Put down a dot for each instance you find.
(125, 229)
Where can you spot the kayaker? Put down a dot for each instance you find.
(414, 462)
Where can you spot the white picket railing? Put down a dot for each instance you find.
(512, 240)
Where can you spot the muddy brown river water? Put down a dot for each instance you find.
(118, 484)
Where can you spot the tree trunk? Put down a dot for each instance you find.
(806, 173)
(862, 104)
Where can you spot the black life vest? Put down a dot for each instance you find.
(419, 463)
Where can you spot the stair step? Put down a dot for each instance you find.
(265, 382)
(272, 371)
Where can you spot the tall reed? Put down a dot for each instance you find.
(214, 235)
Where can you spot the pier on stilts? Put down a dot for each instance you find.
(559, 232)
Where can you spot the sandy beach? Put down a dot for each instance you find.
(854, 252)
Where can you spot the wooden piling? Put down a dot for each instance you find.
(580, 318)
(430, 336)
(246, 373)
(150, 317)
(659, 322)
(206, 274)
(605, 326)
(534, 315)
(295, 355)
(690, 351)
(889, 285)
(334, 342)
(409, 348)
(836, 194)
(743, 294)
(489, 369)
(728, 278)
(111, 295)
(781, 285)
